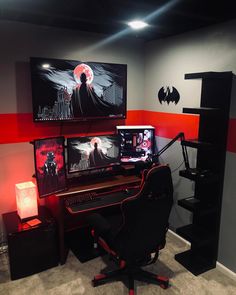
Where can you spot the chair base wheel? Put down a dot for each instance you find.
(94, 283)
(164, 286)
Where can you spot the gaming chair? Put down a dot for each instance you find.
(141, 234)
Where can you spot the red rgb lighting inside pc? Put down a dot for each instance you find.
(137, 142)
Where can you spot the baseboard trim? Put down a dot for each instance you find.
(225, 270)
(219, 266)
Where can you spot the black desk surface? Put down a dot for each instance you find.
(101, 184)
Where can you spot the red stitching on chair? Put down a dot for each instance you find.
(122, 264)
(100, 276)
(161, 278)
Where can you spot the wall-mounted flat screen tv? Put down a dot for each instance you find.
(50, 168)
(137, 142)
(92, 152)
(67, 90)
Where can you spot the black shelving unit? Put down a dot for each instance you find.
(205, 205)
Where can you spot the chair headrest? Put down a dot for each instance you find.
(158, 177)
(157, 169)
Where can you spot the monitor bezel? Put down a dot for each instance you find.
(62, 138)
(82, 118)
(136, 128)
(84, 171)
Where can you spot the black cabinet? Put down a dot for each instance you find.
(31, 249)
(208, 174)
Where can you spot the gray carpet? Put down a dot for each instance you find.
(74, 278)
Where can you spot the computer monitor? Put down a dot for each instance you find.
(92, 152)
(68, 90)
(50, 169)
(137, 142)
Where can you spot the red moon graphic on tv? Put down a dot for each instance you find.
(83, 68)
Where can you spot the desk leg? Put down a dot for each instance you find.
(61, 228)
(56, 207)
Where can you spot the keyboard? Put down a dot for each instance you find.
(91, 201)
(81, 198)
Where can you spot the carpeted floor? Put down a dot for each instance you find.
(74, 278)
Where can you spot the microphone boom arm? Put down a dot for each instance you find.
(184, 149)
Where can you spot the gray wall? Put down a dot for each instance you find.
(166, 62)
(19, 42)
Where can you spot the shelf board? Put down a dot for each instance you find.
(203, 111)
(190, 203)
(199, 175)
(194, 263)
(208, 75)
(195, 235)
(194, 143)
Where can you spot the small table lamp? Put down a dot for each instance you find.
(26, 199)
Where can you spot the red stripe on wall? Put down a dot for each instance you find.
(231, 144)
(169, 125)
(135, 117)
(21, 128)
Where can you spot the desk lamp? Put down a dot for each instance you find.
(26, 199)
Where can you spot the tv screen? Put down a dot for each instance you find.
(137, 142)
(50, 165)
(92, 152)
(70, 90)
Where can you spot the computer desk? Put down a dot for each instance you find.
(70, 212)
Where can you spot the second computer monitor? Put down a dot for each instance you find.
(92, 152)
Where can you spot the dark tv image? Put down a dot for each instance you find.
(50, 169)
(137, 142)
(70, 90)
(92, 152)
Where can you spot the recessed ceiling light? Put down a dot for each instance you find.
(137, 24)
(45, 66)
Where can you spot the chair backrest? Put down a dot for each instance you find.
(145, 216)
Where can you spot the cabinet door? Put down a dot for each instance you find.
(32, 251)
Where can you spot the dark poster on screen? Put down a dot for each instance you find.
(50, 165)
(73, 90)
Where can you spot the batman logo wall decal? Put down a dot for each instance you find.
(168, 94)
